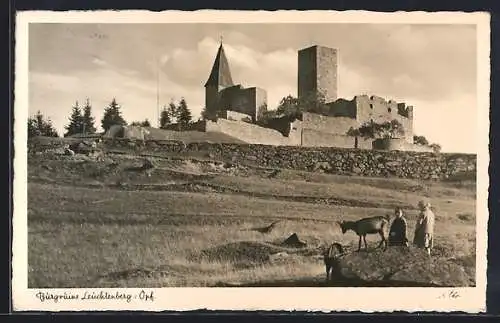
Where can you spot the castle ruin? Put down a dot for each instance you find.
(317, 75)
(317, 72)
(226, 100)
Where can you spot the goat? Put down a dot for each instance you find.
(330, 257)
(371, 225)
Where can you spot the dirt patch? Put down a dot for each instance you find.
(248, 253)
(136, 273)
(467, 217)
(243, 251)
(205, 187)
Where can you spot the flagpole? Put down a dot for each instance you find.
(158, 92)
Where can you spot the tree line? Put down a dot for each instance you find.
(81, 120)
(178, 114)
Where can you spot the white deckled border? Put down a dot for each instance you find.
(300, 299)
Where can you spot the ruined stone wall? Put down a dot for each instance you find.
(379, 110)
(389, 144)
(316, 130)
(237, 116)
(193, 126)
(243, 100)
(229, 99)
(260, 101)
(281, 124)
(363, 143)
(313, 138)
(343, 108)
(331, 125)
(416, 165)
(251, 133)
(419, 148)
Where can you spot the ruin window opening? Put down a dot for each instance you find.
(389, 110)
(371, 106)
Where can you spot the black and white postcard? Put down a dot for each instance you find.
(230, 160)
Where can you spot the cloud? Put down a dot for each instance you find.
(412, 60)
(451, 122)
(274, 71)
(99, 62)
(164, 59)
(55, 94)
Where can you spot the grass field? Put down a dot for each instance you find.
(108, 224)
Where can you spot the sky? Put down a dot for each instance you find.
(432, 67)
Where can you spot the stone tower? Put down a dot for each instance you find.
(219, 79)
(318, 72)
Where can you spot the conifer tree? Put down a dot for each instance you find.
(165, 118)
(38, 126)
(173, 112)
(75, 125)
(144, 123)
(88, 119)
(112, 116)
(184, 114)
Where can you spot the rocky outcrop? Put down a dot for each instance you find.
(294, 241)
(399, 266)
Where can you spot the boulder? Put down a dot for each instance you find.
(294, 241)
(322, 166)
(81, 148)
(399, 266)
(438, 272)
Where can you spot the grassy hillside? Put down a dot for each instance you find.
(97, 223)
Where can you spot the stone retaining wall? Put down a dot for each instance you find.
(403, 164)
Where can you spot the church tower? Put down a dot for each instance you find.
(219, 79)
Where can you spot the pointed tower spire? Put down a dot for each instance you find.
(220, 74)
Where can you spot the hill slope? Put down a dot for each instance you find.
(195, 223)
